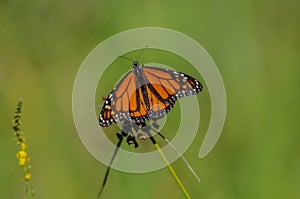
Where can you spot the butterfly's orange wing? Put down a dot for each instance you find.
(151, 99)
(165, 87)
(116, 106)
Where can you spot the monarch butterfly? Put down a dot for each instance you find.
(145, 93)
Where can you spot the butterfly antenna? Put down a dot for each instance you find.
(126, 58)
(120, 136)
(182, 157)
(142, 51)
(172, 171)
(137, 56)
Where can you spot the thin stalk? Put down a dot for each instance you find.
(186, 194)
(182, 157)
(111, 161)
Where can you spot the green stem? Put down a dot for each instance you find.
(186, 194)
(172, 172)
(28, 185)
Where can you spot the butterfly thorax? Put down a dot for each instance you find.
(137, 70)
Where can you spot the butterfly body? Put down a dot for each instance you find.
(146, 93)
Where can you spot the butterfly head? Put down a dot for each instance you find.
(136, 64)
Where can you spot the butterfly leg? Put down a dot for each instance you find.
(127, 132)
(155, 125)
(131, 140)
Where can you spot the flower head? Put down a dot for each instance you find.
(22, 155)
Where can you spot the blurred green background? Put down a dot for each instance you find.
(256, 46)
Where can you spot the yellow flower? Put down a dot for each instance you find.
(27, 176)
(23, 146)
(21, 154)
(22, 161)
(22, 157)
